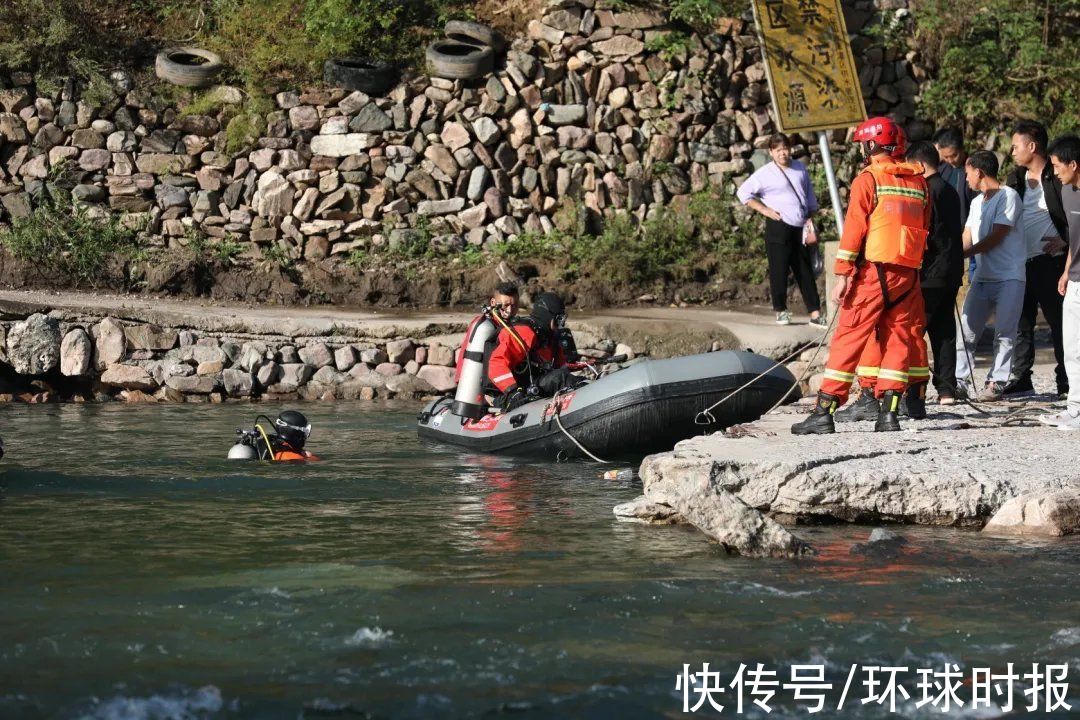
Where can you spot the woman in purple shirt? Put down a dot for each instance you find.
(781, 192)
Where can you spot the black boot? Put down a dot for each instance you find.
(820, 421)
(914, 403)
(887, 421)
(864, 408)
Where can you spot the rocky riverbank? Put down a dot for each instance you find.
(957, 467)
(83, 347)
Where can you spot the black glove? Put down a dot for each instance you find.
(515, 397)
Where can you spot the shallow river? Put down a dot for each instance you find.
(143, 576)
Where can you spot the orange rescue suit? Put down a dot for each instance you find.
(513, 352)
(885, 231)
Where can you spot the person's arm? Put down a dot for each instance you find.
(995, 237)
(1063, 281)
(860, 205)
(749, 194)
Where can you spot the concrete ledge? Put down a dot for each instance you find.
(954, 468)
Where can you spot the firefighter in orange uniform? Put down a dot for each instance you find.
(877, 285)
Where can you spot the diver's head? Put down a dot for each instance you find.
(504, 300)
(549, 312)
(293, 428)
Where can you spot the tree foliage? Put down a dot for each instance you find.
(995, 60)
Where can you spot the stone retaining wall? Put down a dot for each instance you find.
(582, 110)
(54, 358)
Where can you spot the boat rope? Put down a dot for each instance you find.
(705, 417)
(556, 411)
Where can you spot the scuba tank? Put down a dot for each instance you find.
(469, 399)
(242, 451)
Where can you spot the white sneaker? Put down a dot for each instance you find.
(783, 318)
(1063, 420)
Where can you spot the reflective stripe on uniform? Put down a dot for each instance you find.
(847, 255)
(892, 375)
(866, 371)
(839, 375)
(919, 372)
(507, 376)
(907, 192)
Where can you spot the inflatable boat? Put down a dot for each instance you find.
(645, 407)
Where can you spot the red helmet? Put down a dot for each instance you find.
(883, 133)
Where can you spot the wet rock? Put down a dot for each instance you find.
(136, 396)
(76, 353)
(1049, 513)
(704, 503)
(129, 377)
(882, 543)
(643, 510)
(33, 345)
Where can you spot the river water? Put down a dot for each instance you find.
(143, 576)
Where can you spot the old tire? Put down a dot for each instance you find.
(472, 33)
(458, 61)
(364, 74)
(187, 66)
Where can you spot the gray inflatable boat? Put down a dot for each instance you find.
(643, 408)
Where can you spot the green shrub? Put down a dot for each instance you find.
(992, 60)
(62, 237)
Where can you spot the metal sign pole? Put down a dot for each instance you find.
(830, 175)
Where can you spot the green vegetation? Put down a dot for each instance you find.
(995, 59)
(711, 236)
(64, 238)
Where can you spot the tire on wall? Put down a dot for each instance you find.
(459, 61)
(372, 77)
(188, 66)
(472, 33)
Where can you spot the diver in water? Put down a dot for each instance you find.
(284, 444)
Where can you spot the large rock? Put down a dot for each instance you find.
(150, 337)
(33, 345)
(726, 519)
(409, 385)
(438, 376)
(400, 351)
(317, 355)
(274, 198)
(238, 383)
(1054, 514)
(345, 358)
(195, 384)
(129, 377)
(644, 510)
(293, 375)
(76, 353)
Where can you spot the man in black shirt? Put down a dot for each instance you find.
(942, 271)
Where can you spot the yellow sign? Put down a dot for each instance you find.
(808, 60)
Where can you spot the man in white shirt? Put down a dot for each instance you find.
(994, 231)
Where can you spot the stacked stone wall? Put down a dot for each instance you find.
(581, 111)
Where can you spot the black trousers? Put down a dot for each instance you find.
(940, 305)
(1043, 273)
(785, 250)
